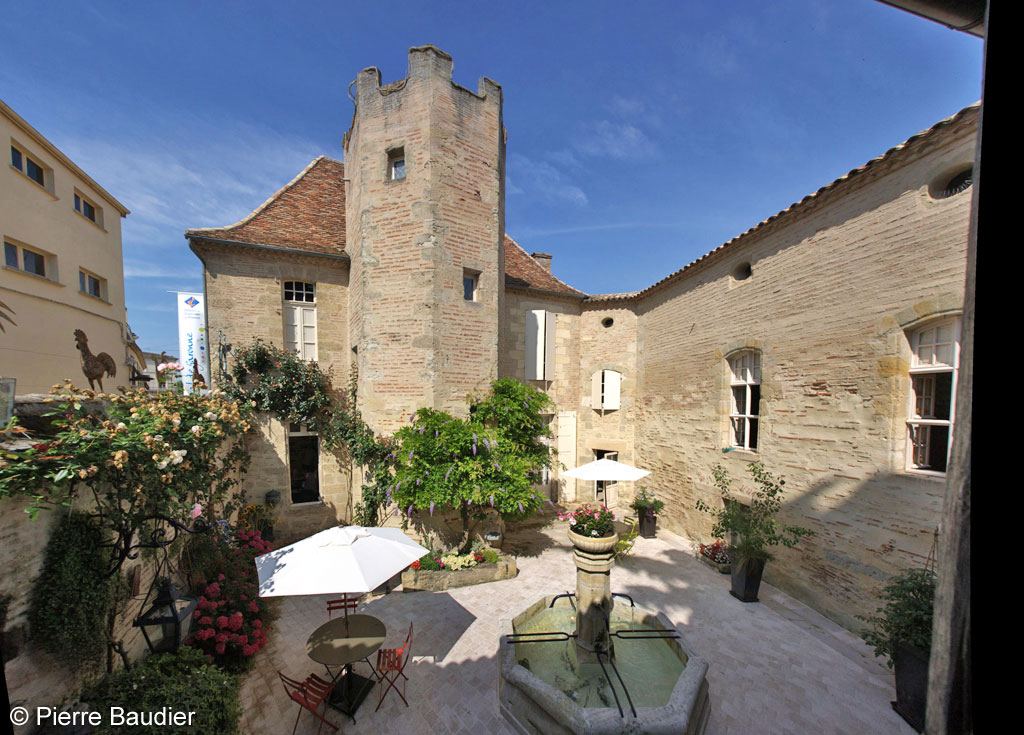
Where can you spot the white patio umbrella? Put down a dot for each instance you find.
(608, 470)
(350, 560)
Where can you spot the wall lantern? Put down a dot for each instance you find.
(166, 623)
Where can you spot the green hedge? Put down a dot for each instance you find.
(72, 597)
(183, 682)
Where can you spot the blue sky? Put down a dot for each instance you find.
(640, 135)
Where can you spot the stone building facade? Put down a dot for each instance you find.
(821, 342)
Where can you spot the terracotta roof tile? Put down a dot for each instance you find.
(522, 271)
(306, 214)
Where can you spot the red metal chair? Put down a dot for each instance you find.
(391, 664)
(346, 603)
(309, 694)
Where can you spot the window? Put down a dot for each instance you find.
(605, 389)
(88, 210)
(396, 164)
(304, 464)
(31, 167)
(933, 367)
(746, 400)
(300, 318)
(470, 285)
(540, 345)
(26, 259)
(92, 284)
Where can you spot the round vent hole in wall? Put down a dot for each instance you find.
(607, 322)
(742, 272)
(949, 186)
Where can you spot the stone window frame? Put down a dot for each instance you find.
(303, 430)
(745, 380)
(923, 389)
(394, 157)
(724, 385)
(22, 156)
(300, 307)
(83, 205)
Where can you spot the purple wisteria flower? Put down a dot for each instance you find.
(431, 507)
(409, 512)
(417, 481)
(422, 428)
(474, 450)
(492, 500)
(437, 433)
(410, 453)
(448, 472)
(520, 507)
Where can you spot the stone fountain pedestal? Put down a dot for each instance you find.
(534, 707)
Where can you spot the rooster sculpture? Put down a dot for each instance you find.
(94, 365)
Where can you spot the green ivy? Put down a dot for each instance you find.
(72, 597)
(906, 615)
(184, 681)
(276, 381)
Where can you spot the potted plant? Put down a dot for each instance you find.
(751, 530)
(647, 508)
(591, 528)
(256, 517)
(902, 632)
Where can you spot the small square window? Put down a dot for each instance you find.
(90, 284)
(470, 285)
(31, 167)
(88, 210)
(35, 172)
(34, 262)
(16, 159)
(396, 164)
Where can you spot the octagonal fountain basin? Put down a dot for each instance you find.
(651, 682)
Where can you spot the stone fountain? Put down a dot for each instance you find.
(595, 663)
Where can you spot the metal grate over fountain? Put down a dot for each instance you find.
(604, 656)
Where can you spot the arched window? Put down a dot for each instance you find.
(300, 318)
(933, 368)
(745, 408)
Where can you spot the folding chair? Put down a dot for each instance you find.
(391, 664)
(346, 603)
(309, 694)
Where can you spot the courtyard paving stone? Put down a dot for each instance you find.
(775, 666)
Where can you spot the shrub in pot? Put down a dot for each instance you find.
(647, 508)
(901, 630)
(751, 530)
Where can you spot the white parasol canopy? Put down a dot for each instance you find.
(608, 470)
(352, 559)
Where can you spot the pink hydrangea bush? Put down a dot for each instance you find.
(230, 619)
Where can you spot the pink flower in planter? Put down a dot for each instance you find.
(257, 624)
(205, 620)
(219, 648)
(222, 621)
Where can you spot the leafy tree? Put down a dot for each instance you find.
(486, 463)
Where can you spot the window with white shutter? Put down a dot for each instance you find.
(300, 318)
(605, 390)
(540, 345)
(933, 373)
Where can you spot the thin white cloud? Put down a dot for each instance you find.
(622, 141)
(540, 180)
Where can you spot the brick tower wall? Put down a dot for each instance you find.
(418, 342)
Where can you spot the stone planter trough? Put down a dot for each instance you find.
(723, 568)
(437, 581)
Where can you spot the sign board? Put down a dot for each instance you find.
(192, 337)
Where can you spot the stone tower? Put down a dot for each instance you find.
(425, 208)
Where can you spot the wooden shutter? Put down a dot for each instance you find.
(566, 446)
(535, 344)
(612, 382)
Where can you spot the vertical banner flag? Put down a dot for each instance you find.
(192, 342)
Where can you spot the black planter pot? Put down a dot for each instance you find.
(648, 525)
(911, 666)
(746, 579)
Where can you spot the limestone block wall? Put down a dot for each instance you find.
(244, 301)
(612, 347)
(419, 342)
(564, 389)
(831, 295)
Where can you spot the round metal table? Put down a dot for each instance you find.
(342, 642)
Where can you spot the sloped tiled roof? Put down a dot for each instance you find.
(522, 271)
(799, 207)
(306, 214)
